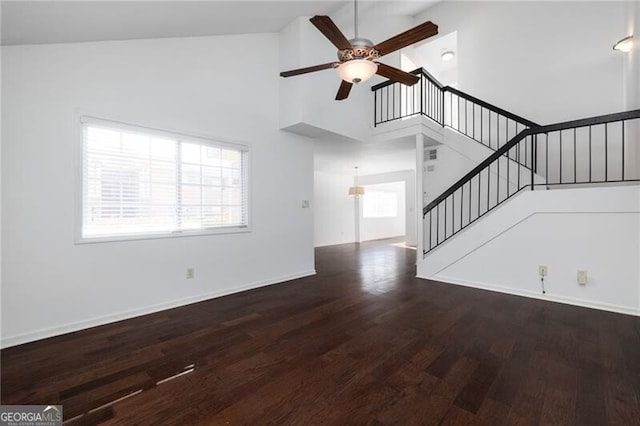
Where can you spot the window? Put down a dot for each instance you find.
(139, 182)
(379, 204)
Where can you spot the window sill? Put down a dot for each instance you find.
(177, 234)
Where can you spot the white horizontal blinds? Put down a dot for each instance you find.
(140, 182)
(212, 186)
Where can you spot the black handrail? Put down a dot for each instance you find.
(490, 159)
(586, 151)
(458, 110)
(490, 107)
(592, 121)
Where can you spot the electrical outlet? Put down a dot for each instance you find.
(582, 277)
(543, 271)
(191, 272)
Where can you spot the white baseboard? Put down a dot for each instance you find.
(44, 333)
(628, 310)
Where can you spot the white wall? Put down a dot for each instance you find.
(376, 228)
(207, 85)
(595, 229)
(410, 209)
(546, 61)
(333, 210)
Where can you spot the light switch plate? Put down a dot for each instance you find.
(582, 277)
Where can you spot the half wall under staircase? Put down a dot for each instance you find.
(592, 223)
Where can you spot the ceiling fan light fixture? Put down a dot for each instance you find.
(624, 45)
(447, 55)
(357, 70)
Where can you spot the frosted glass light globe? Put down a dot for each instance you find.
(357, 70)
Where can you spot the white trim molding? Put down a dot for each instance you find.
(19, 339)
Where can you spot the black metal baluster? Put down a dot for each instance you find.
(375, 108)
(506, 132)
(458, 107)
(489, 128)
(387, 90)
(406, 101)
(622, 150)
(534, 159)
(434, 100)
(451, 110)
(461, 203)
(532, 142)
(438, 224)
(394, 100)
(445, 219)
(498, 182)
(508, 174)
(560, 156)
(470, 190)
(430, 229)
(479, 191)
(481, 124)
(589, 154)
(421, 94)
(606, 152)
(498, 132)
(488, 186)
(473, 121)
(546, 160)
(526, 160)
(535, 155)
(466, 117)
(441, 94)
(453, 213)
(575, 155)
(518, 161)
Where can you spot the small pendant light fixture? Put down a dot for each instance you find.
(356, 190)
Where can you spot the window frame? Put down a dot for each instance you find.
(83, 119)
(376, 191)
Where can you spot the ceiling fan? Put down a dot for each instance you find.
(357, 57)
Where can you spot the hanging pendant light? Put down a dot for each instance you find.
(356, 190)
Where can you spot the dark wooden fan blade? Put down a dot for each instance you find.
(330, 31)
(397, 75)
(309, 69)
(407, 38)
(343, 91)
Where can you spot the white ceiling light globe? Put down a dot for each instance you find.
(357, 70)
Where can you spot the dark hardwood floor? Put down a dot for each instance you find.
(362, 342)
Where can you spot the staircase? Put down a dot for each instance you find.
(593, 153)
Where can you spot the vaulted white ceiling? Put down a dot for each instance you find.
(53, 21)
(37, 22)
